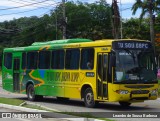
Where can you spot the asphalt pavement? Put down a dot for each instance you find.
(0, 80)
(8, 108)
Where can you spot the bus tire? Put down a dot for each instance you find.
(124, 104)
(31, 93)
(89, 98)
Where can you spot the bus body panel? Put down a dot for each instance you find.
(69, 83)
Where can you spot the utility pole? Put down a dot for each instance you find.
(115, 19)
(64, 19)
(121, 19)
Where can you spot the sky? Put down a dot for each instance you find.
(13, 9)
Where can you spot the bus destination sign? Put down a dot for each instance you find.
(131, 45)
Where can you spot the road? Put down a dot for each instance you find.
(78, 105)
(6, 115)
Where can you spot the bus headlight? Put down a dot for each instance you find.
(122, 91)
(154, 92)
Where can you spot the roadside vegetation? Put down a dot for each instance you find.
(22, 103)
(11, 101)
(35, 107)
(159, 88)
(84, 20)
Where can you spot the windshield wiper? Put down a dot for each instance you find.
(135, 70)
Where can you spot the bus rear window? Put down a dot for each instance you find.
(8, 60)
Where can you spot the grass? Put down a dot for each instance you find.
(35, 107)
(159, 88)
(11, 101)
(18, 102)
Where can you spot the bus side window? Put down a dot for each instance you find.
(72, 59)
(44, 60)
(87, 58)
(24, 61)
(32, 58)
(105, 66)
(57, 60)
(109, 68)
(8, 60)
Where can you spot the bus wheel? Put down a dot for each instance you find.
(30, 92)
(89, 98)
(124, 104)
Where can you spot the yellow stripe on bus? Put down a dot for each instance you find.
(45, 47)
(37, 79)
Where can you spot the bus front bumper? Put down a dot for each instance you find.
(126, 96)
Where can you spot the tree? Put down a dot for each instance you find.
(132, 29)
(116, 19)
(85, 20)
(147, 6)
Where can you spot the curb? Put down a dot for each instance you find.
(50, 115)
(41, 106)
(19, 108)
(158, 99)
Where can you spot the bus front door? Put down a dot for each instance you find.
(16, 75)
(102, 84)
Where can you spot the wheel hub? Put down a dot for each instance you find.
(89, 98)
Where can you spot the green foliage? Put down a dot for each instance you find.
(84, 20)
(157, 24)
(146, 6)
(159, 88)
(92, 21)
(133, 29)
(11, 101)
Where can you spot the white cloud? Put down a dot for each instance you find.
(17, 3)
(122, 1)
(51, 3)
(110, 1)
(9, 17)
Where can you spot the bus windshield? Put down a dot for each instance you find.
(135, 66)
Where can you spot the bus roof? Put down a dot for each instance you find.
(61, 42)
(68, 43)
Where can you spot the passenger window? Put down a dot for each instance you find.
(44, 60)
(32, 60)
(23, 60)
(57, 61)
(87, 58)
(72, 59)
(8, 60)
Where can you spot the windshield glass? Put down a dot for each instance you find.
(135, 66)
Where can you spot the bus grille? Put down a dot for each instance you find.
(140, 98)
(140, 92)
(139, 86)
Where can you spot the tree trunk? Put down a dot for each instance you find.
(152, 28)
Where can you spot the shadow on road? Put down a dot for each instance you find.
(105, 106)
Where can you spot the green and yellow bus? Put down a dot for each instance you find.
(121, 71)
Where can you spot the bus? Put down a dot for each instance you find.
(121, 70)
